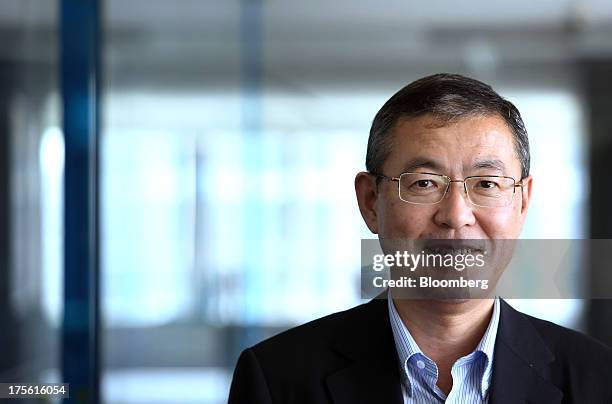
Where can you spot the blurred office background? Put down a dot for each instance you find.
(230, 134)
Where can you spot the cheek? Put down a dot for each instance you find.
(402, 220)
(501, 223)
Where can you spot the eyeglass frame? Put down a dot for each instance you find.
(449, 182)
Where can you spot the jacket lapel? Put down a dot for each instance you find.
(372, 375)
(520, 365)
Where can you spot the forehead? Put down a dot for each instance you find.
(464, 143)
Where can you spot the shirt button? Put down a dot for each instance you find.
(420, 364)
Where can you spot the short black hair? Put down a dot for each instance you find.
(447, 97)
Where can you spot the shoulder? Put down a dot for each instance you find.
(570, 344)
(321, 333)
(573, 351)
(301, 358)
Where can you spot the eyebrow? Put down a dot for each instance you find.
(422, 162)
(494, 164)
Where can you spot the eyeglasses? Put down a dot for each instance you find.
(490, 191)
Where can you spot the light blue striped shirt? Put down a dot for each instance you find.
(471, 374)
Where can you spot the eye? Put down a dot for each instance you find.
(421, 184)
(486, 184)
(424, 183)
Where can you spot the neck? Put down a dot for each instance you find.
(445, 331)
(443, 328)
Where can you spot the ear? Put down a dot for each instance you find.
(526, 195)
(367, 194)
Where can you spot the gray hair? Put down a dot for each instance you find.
(447, 97)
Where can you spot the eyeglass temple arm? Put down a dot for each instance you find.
(384, 177)
(519, 183)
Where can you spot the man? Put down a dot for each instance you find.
(447, 135)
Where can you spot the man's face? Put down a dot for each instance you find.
(470, 146)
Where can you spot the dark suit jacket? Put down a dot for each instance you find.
(350, 358)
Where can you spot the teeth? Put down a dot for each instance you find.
(452, 251)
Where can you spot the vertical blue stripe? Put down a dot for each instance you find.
(79, 21)
(253, 287)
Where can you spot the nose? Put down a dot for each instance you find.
(455, 210)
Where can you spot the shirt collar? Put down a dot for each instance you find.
(407, 347)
